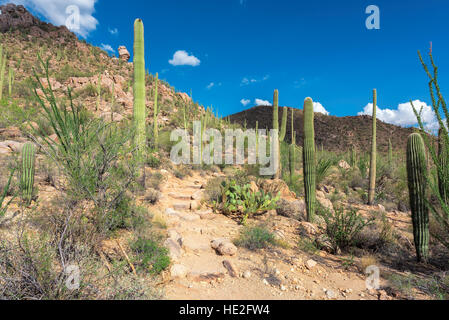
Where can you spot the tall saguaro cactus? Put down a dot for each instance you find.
(372, 168)
(10, 81)
(156, 115)
(283, 129)
(309, 159)
(390, 153)
(139, 95)
(98, 92)
(417, 185)
(27, 177)
(2, 71)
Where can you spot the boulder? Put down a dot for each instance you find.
(123, 54)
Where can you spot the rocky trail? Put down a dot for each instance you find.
(207, 265)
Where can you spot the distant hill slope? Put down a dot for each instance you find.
(333, 133)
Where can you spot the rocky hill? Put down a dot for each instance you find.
(74, 64)
(333, 133)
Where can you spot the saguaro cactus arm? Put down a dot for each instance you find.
(283, 124)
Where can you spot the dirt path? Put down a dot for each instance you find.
(198, 272)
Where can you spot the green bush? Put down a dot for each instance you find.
(343, 226)
(150, 256)
(255, 238)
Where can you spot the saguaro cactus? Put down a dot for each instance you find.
(372, 168)
(2, 72)
(139, 94)
(10, 81)
(283, 129)
(353, 157)
(417, 185)
(443, 168)
(27, 177)
(156, 115)
(309, 159)
(390, 153)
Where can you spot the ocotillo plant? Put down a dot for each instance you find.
(10, 81)
(417, 185)
(372, 168)
(139, 95)
(443, 169)
(156, 115)
(292, 150)
(309, 159)
(98, 92)
(27, 177)
(2, 73)
(390, 153)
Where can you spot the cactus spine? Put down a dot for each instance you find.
(372, 169)
(309, 159)
(156, 115)
(139, 94)
(417, 185)
(443, 169)
(27, 178)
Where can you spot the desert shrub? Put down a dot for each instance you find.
(155, 180)
(124, 215)
(343, 225)
(150, 255)
(240, 200)
(322, 169)
(213, 191)
(152, 196)
(436, 286)
(363, 165)
(255, 237)
(181, 172)
(153, 161)
(4, 192)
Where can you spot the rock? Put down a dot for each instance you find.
(171, 212)
(253, 187)
(326, 203)
(323, 243)
(173, 234)
(247, 274)
(10, 133)
(233, 272)
(381, 207)
(206, 215)
(197, 195)
(279, 234)
(123, 54)
(283, 288)
(209, 277)
(224, 247)
(265, 282)
(292, 209)
(330, 294)
(178, 271)
(194, 205)
(179, 196)
(13, 145)
(344, 165)
(277, 186)
(189, 217)
(181, 206)
(174, 249)
(310, 264)
(308, 229)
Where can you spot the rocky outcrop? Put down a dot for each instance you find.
(123, 53)
(16, 17)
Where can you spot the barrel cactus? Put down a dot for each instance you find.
(417, 184)
(309, 159)
(27, 176)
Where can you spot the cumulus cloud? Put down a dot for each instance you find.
(404, 116)
(182, 58)
(64, 12)
(260, 102)
(318, 107)
(245, 102)
(107, 47)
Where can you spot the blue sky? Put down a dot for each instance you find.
(248, 48)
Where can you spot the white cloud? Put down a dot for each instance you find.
(107, 47)
(113, 31)
(318, 107)
(210, 85)
(246, 81)
(55, 12)
(182, 58)
(404, 116)
(245, 102)
(260, 102)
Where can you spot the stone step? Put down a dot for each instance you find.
(179, 206)
(180, 196)
(196, 243)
